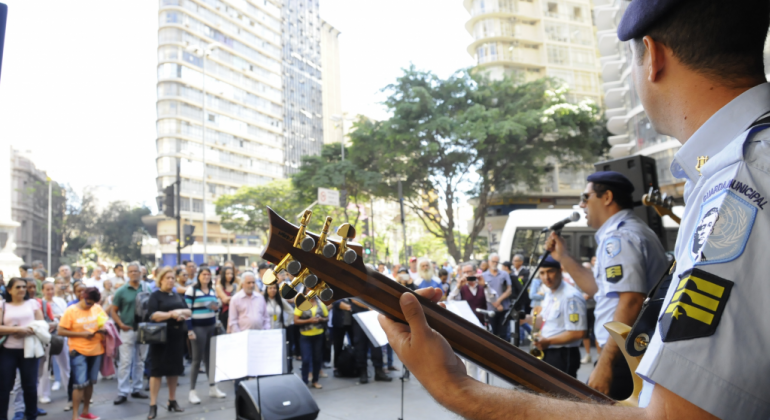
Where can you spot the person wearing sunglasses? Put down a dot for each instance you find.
(83, 324)
(630, 261)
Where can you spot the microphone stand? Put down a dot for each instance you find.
(514, 313)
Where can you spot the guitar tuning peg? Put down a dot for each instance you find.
(326, 294)
(344, 254)
(305, 302)
(288, 292)
(311, 281)
(329, 250)
(349, 256)
(294, 267)
(299, 240)
(269, 277)
(322, 243)
(307, 244)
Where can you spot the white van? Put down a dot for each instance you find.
(524, 227)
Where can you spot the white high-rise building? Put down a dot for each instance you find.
(532, 39)
(244, 112)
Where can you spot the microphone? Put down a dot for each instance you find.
(574, 217)
(490, 314)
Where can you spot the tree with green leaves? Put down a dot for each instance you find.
(469, 137)
(246, 210)
(121, 230)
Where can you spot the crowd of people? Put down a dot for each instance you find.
(94, 317)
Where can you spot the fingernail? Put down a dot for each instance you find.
(408, 299)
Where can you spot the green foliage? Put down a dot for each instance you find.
(121, 230)
(465, 137)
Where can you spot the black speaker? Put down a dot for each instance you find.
(643, 174)
(280, 397)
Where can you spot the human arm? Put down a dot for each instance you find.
(116, 301)
(12, 330)
(222, 295)
(232, 319)
(454, 294)
(629, 305)
(428, 355)
(583, 277)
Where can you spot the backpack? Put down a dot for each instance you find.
(346, 363)
(141, 304)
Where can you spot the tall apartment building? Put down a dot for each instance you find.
(632, 132)
(532, 39)
(244, 114)
(302, 111)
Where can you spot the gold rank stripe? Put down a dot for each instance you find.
(692, 312)
(696, 298)
(703, 285)
(614, 271)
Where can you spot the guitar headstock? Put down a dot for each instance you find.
(661, 202)
(328, 269)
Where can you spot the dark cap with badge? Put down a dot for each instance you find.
(612, 179)
(640, 15)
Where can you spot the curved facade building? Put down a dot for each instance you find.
(244, 117)
(534, 39)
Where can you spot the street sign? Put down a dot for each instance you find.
(327, 197)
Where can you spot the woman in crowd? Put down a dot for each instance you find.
(226, 288)
(61, 361)
(202, 300)
(280, 313)
(181, 280)
(83, 324)
(311, 341)
(17, 312)
(47, 307)
(167, 306)
(77, 290)
(107, 294)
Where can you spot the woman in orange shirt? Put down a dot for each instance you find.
(83, 323)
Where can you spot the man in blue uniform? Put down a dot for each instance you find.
(699, 73)
(563, 320)
(629, 261)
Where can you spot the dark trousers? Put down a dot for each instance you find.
(312, 355)
(622, 379)
(292, 335)
(328, 345)
(339, 339)
(362, 344)
(501, 327)
(10, 360)
(566, 360)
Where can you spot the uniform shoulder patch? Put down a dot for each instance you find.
(696, 306)
(724, 226)
(573, 310)
(612, 247)
(614, 273)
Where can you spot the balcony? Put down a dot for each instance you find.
(524, 56)
(608, 43)
(501, 9)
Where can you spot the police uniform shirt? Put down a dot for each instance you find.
(629, 258)
(563, 310)
(710, 346)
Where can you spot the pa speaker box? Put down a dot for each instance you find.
(643, 174)
(280, 397)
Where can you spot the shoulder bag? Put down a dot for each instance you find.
(152, 332)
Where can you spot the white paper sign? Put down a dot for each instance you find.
(371, 326)
(249, 354)
(461, 308)
(327, 197)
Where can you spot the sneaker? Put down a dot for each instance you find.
(193, 398)
(322, 374)
(56, 386)
(44, 400)
(89, 416)
(18, 416)
(68, 407)
(586, 359)
(216, 393)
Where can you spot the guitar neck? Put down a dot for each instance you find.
(480, 346)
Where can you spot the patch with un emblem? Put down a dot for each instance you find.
(612, 247)
(724, 227)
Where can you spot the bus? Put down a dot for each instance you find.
(523, 229)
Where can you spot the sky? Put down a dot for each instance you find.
(77, 90)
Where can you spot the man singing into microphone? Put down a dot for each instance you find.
(629, 262)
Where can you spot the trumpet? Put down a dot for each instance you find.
(535, 336)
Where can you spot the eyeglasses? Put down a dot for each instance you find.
(585, 196)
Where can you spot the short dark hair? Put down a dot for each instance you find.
(442, 272)
(25, 267)
(118, 265)
(721, 39)
(185, 262)
(623, 199)
(91, 293)
(7, 295)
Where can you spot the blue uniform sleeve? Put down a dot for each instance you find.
(574, 312)
(623, 265)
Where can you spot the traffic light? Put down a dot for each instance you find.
(188, 235)
(169, 201)
(365, 231)
(367, 248)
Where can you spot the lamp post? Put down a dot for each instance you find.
(203, 53)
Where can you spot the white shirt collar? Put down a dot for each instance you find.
(719, 130)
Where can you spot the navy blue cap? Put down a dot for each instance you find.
(612, 179)
(640, 15)
(549, 262)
